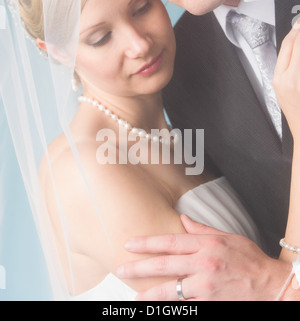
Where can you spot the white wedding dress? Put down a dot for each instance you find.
(215, 204)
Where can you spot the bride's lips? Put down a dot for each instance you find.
(150, 68)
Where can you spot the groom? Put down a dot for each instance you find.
(218, 86)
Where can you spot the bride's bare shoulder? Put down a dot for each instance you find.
(61, 163)
(56, 151)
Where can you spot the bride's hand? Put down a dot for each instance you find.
(287, 80)
(200, 7)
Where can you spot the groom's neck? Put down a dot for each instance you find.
(232, 3)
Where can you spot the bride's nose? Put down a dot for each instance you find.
(137, 43)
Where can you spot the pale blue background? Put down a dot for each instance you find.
(20, 252)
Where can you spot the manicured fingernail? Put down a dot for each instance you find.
(130, 245)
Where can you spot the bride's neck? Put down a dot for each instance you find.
(144, 112)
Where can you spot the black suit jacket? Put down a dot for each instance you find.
(211, 90)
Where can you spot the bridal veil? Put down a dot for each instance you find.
(35, 120)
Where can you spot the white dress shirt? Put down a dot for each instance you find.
(263, 10)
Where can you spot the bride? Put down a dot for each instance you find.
(123, 58)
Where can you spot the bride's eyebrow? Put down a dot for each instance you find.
(93, 27)
(103, 23)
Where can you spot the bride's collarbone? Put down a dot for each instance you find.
(170, 180)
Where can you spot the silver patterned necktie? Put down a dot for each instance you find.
(258, 36)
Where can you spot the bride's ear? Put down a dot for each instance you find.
(57, 54)
(41, 44)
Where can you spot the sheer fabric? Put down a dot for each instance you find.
(33, 120)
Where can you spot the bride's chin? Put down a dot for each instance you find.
(159, 83)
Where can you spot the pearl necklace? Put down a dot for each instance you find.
(136, 131)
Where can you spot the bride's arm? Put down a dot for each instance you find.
(129, 204)
(287, 87)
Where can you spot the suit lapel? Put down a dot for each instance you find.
(248, 98)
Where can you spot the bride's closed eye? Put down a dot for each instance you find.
(142, 9)
(103, 40)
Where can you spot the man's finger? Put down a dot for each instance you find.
(286, 51)
(157, 266)
(193, 227)
(163, 292)
(168, 291)
(190, 289)
(173, 243)
(165, 244)
(294, 65)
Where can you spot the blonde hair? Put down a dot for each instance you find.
(31, 12)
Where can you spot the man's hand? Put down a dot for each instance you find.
(215, 266)
(199, 7)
